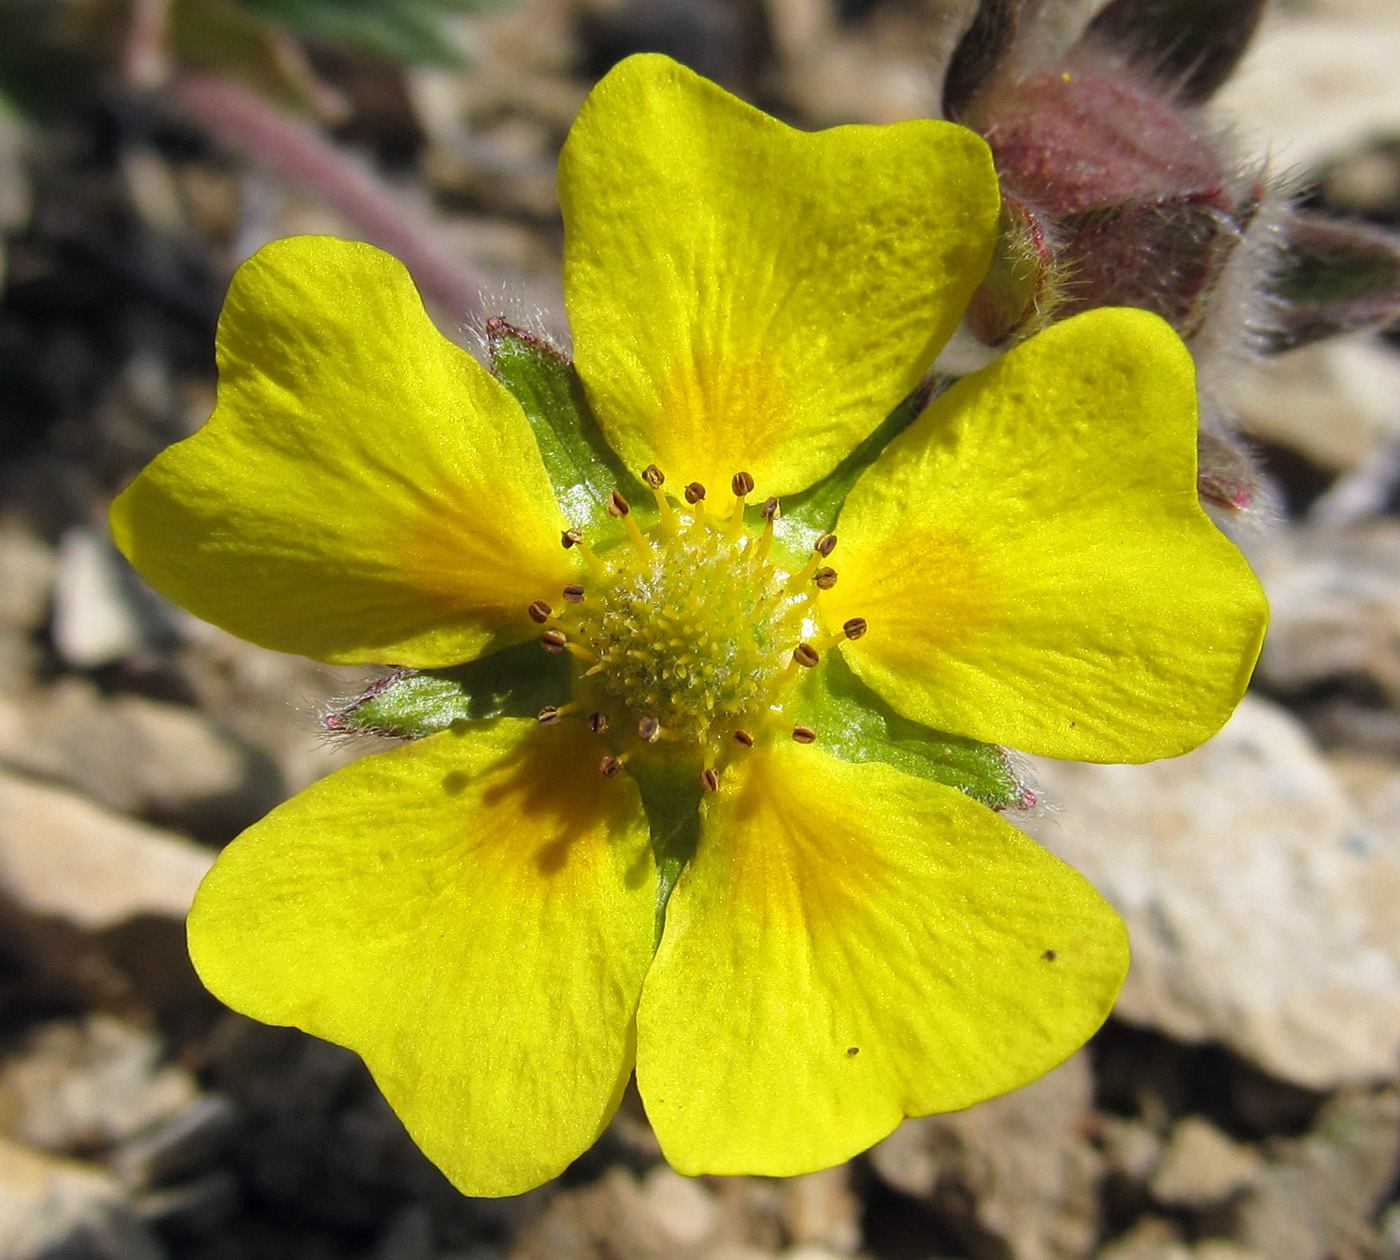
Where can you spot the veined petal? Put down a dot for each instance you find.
(472, 914)
(745, 296)
(851, 945)
(364, 491)
(1034, 564)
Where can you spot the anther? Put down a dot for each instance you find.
(855, 627)
(571, 538)
(769, 509)
(610, 767)
(554, 640)
(804, 734)
(806, 655)
(617, 505)
(597, 722)
(540, 612)
(741, 484)
(649, 729)
(548, 716)
(694, 493)
(825, 545)
(743, 738)
(709, 779)
(654, 477)
(825, 578)
(574, 594)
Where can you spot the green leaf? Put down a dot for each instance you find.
(517, 681)
(854, 724)
(410, 31)
(581, 465)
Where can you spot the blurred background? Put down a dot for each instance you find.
(1244, 1102)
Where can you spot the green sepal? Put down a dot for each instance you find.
(812, 512)
(517, 681)
(671, 795)
(855, 724)
(582, 466)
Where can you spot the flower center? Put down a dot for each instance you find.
(686, 637)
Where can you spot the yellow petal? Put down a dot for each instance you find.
(1034, 565)
(744, 296)
(364, 490)
(851, 945)
(472, 914)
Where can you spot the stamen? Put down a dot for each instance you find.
(554, 640)
(806, 655)
(649, 729)
(826, 544)
(765, 541)
(540, 612)
(804, 734)
(574, 594)
(597, 722)
(852, 629)
(610, 767)
(825, 578)
(618, 507)
(574, 538)
(581, 653)
(655, 478)
(742, 484)
(694, 493)
(743, 738)
(709, 779)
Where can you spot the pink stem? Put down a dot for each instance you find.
(298, 153)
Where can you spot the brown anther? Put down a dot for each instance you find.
(574, 594)
(804, 734)
(548, 716)
(855, 627)
(769, 509)
(571, 538)
(539, 612)
(709, 779)
(610, 767)
(806, 655)
(825, 545)
(617, 505)
(597, 722)
(649, 729)
(554, 640)
(825, 578)
(743, 738)
(694, 493)
(654, 477)
(741, 484)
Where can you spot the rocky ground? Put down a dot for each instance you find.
(1244, 1102)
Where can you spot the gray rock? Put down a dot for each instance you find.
(1201, 1166)
(1016, 1168)
(81, 1086)
(1263, 914)
(137, 756)
(1319, 1195)
(53, 1209)
(60, 855)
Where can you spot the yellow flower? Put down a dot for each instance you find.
(483, 914)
